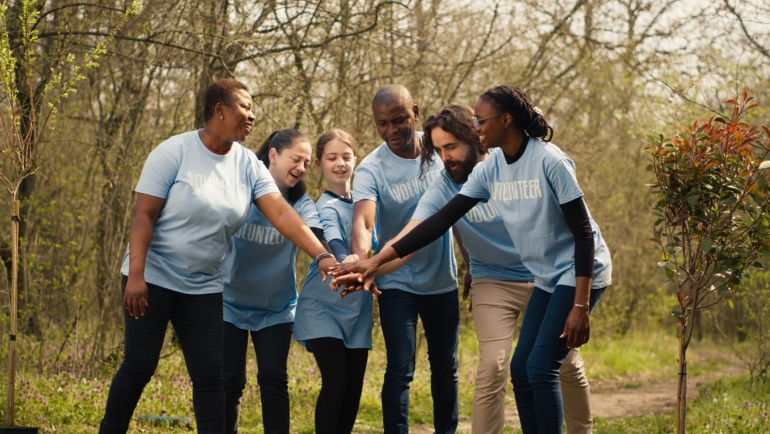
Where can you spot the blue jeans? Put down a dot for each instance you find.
(271, 345)
(538, 357)
(197, 321)
(440, 315)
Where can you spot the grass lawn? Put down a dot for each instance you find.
(70, 399)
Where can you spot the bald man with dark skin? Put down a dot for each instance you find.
(386, 189)
(394, 114)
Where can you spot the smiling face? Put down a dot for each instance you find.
(458, 157)
(237, 118)
(289, 166)
(336, 163)
(395, 125)
(491, 124)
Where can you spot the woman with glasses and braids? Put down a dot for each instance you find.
(533, 185)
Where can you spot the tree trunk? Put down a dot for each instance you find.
(28, 298)
(681, 397)
(9, 398)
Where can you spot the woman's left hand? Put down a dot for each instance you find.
(577, 329)
(325, 265)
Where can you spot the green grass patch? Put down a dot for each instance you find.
(636, 354)
(70, 397)
(732, 405)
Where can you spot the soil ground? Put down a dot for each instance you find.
(623, 398)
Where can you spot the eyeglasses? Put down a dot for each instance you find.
(477, 121)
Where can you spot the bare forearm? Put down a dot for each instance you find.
(385, 256)
(364, 216)
(138, 244)
(284, 219)
(393, 264)
(291, 225)
(361, 244)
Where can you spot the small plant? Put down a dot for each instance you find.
(713, 197)
(33, 84)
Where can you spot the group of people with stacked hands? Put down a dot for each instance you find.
(214, 238)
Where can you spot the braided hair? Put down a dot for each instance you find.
(512, 100)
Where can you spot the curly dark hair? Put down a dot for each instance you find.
(456, 119)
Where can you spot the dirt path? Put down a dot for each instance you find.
(630, 397)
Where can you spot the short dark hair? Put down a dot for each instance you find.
(280, 140)
(456, 119)
(514, 101)
(220, 91)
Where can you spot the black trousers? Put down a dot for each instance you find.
(271, 345)
(342, 379)
(197, 321)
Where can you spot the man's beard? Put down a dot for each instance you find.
(464, 168)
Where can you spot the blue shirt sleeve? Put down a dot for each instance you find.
(430, 203)
(364, 184)
(331, 223)
(263, 183)
(562, 179)
(306, 209)
(160, 171)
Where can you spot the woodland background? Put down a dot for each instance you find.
(605, 73)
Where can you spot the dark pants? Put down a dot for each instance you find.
(538, 357)
(342, 379)
(440, 315)
(197, 321)
(271, 345)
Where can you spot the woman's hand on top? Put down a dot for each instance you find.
(356, 276)
(135, 297)
(577, 329)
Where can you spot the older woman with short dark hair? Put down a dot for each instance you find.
(192, 196)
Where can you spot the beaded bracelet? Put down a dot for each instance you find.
(584, 306)
(323, 256)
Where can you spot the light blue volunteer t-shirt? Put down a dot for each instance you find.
(397, 185)
(260, 274)
(321, 313)
(207, 197)
(528, 194)
(492, 254)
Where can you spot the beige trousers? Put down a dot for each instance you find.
(497, 305)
